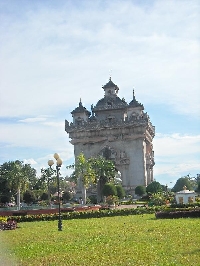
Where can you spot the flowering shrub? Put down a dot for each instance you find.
(3, 219)
(112, 200)
(7, 224)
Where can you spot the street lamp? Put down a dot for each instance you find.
(59, 163)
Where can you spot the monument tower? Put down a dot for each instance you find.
(119, 131)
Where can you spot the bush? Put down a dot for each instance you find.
(8, 224)
(109, 189)
(120, 191)
(93, 199)
(86, 214)
(44, 196)
(190, 213)
(29, 196)
(176, 205)
(140, 190)
(154, 187)
(67, 196)
(180, 183)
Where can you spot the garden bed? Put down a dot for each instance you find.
(49, 211)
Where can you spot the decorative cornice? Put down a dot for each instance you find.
(103, 124)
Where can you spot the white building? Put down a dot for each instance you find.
(185, 196)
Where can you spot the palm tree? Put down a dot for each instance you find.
(84, 173)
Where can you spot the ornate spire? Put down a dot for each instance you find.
(134, 102)
(80, 109)
(80, 103)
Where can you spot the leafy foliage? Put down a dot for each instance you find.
(140, 190)
(109, 189)
(67, 196)
(93, 171)
(180, 183)
(15, 175)
(44, 196)
(120, 191)
(154, 187)
(105, 171)
(83, 171)
(29, 196)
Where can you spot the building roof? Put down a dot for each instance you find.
(135, 103)
(112, 102)
(110, 84)
(80, 109)
(186, 191)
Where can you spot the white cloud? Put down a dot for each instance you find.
(30, 161)
(176, 155)
(33, 119)
(58, 56)
(176, 144)
(51, 55)
(50, 134)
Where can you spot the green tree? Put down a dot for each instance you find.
(109, 189)
(47, 178)
(198, 187)
(154, 187)
(181, 183)
(105, 172)
(44, 196)
(67, 195)
(29, 196)
(120, 191)
(83, 172)
(140, 190)
(17, 177)
(194, 181)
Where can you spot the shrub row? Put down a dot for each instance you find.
(84, 215)
(189, 213)
(195, 204)
(160, 212)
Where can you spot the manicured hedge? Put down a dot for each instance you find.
(187, 213)
(160, 212)
(189, 205)
(86, 214)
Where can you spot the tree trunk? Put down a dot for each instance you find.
(100, 186)
(84, 194)
(18, 198)
(49, 196)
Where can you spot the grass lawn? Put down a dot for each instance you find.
(118, 241)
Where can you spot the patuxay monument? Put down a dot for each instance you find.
(119, 131)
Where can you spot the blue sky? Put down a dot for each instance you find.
(52, 53)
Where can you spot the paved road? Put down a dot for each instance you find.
(129, 206)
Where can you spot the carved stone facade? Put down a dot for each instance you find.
(118, 131)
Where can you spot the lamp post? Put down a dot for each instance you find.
(59, 163)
